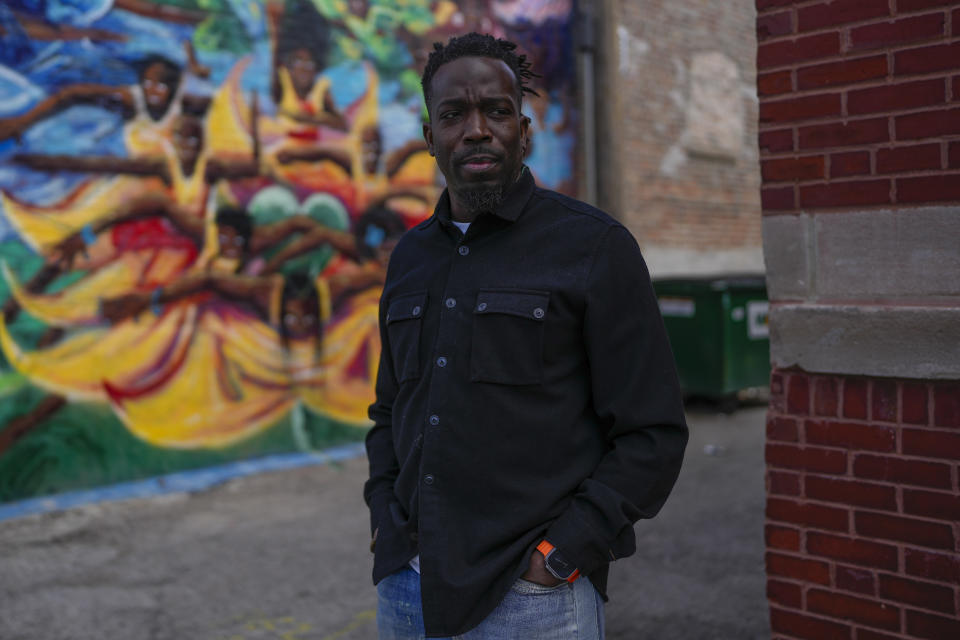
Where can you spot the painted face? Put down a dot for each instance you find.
(476, 131)
(156, 89)
(358, 7)
(300, 317)
(371, 149)
(303, 70)
(232, 244)
(188, 141)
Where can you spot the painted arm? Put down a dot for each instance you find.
(92, 164)
(133, 304)
(316, 154)
(342, 242)
(114, 98)
(396, 159)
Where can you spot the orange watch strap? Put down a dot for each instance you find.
(545, 548)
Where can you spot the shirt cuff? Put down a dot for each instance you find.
(574, 538)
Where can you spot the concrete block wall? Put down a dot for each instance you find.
(859, 134)
(677, 128)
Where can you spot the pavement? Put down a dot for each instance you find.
(284, 556)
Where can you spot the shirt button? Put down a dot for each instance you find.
(441, 361)
(463, 250)
(451, 303)
(482, 306)
(538, 313)
(428, 479)
(434, 420)
(416, 311)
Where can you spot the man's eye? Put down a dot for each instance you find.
(447, 115)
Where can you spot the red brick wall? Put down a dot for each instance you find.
(859, 103)
(860, 111)
(863, 507)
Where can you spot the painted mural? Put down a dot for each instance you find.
(197, 202)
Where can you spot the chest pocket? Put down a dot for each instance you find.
(508, 336)
(404, 318)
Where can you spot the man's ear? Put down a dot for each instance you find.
(428, 136)
(525, 130)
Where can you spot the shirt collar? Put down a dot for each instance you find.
(513, 204)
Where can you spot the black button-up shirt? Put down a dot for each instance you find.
(526, 390)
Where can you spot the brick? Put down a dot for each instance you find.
(798, 568)
(868, 634)
(857, 580)
(898, 32)
(929, 124)
(914, 403)
(855, 398)
(853, 551)
(940, 57)
(903, 6)
(806, 458)
(889, 527)
(921, 594)
(784, 593)
(940, 188)
(772, 25)
(763, 5)
(777, 82)
(845, 194)
(955, 91)
(854, 492)
(883, 401)
(902, 471)
(776, 141)
(798, 394)
(850, 435)
(784, 483)
(785, 538)
(790, 52)
(933, 444)
(825, 399)
(842, 72)
(838, 134)
(789, 169)
(839, 12)
(847, 607)
(932, 627)
(913, 158)
(946, 404)
(808, 515)
(779, 199)
(797, 625)
(897, 97)
(944, 506)
(933, 566)
(853, 163)
(805, 108)
(953, 156)
(782, 429)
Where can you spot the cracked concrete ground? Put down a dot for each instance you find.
(283, 556)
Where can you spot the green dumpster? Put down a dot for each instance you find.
(718, 330)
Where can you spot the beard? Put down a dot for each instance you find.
(482, 199)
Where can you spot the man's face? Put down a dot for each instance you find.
(476, 131)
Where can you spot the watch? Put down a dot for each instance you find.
(556, 564)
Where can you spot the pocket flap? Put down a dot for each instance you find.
(525, 304)
(407, 307)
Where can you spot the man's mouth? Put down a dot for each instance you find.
(478, 163)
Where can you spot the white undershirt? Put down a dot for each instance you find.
(463, 226)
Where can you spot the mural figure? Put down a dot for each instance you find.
(198, 200)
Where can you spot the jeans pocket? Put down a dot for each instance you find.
(528, 588)
(507, 345)
(404, 319)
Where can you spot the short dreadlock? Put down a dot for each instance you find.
(483, 46)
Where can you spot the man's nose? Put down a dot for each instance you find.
(476, 127)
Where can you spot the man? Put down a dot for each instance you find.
(528, 410)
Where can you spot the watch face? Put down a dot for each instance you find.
(559, 566)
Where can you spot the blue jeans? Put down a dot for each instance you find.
(529, 611)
